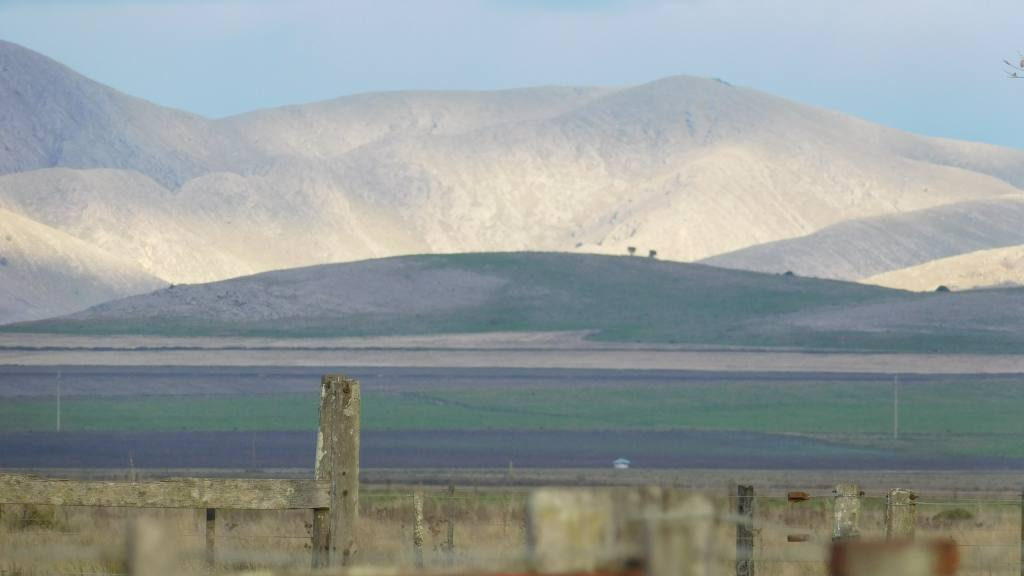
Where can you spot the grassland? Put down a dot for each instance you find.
(614, 299)
(941, 416)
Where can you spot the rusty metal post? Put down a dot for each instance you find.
(906, 558)
(337, 462)
(846, 512)
(900, 515)
(745, 531)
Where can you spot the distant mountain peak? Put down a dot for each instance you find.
(689, 167)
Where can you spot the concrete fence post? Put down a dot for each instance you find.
(679, 542)
(900, 515)
(418, 531)
(337, 462)
(149, 551)
(846, 512)
(668, 532)
(569, 530)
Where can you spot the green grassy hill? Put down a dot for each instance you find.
(620, 299)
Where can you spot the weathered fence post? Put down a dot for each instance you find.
(900, 515)
(679, 542)
(211, 532)
(337, 462)
(450, 511)
(846, 510)
(1022, 534)
(417, 527)
(149, 551)
(745, 531)
(576, 530)
(569, 530)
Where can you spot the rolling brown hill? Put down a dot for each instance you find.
(612, 298)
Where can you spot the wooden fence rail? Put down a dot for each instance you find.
(333, 493)
(197, 493)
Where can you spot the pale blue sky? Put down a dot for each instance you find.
(930, 66)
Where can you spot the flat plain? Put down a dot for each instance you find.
(423, 417)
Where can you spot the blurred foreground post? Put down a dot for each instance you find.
(610, 531)
(337, 462)
(745, 531)
(846, 511)
(569, 530)
(679, 542)
(903, 558)
(149, 551)
(900, 515)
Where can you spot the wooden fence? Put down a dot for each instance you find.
(611, 531)
(332, 494)
(648, 530)
(652, 531)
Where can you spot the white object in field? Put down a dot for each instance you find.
(620, 464)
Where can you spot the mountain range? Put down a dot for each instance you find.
(103, 195)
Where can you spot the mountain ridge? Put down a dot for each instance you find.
(690, 167)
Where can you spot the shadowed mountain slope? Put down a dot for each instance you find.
(995, 267)
(44, 272)
(860, 248)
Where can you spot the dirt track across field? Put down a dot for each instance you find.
(556, 350)
(104, 381)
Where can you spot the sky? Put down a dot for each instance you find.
(928, 66)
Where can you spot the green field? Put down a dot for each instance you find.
(980, 418)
